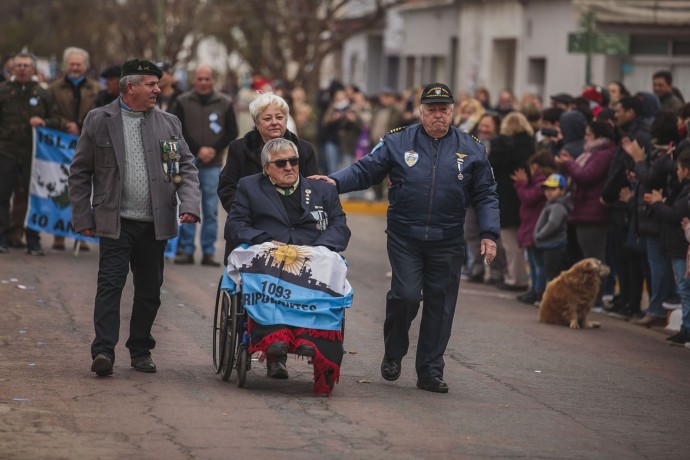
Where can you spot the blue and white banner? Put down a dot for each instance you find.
(49, 206)
(302, 286)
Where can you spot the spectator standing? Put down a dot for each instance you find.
(341, 128)
(617, 90)
(135, 185)
(170, 90)
(551, 231)
(662, 85)
(75, 95)
(111, 75)
(208, 125)
(24, 105)
(508, 152)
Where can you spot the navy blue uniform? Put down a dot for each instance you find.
(433, 181)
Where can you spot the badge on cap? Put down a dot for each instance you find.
(411, 158)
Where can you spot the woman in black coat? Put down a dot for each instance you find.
(270, 115)
(508, 152)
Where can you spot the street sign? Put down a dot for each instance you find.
(601, 43)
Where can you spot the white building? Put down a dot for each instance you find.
(521, 45)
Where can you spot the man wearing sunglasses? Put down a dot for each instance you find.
(281, 206)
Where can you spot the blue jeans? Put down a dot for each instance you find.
(331, 152)
(537, 273)
(683, 284)
(208, 179)
(662, 287)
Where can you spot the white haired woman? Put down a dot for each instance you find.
(270, 115)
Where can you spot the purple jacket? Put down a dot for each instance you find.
(532, 200)
(588, 173)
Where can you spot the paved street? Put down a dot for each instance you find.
(518, 389)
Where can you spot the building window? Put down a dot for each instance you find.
(649, 46)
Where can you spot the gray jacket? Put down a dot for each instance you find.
(98, 162)
(552, 227)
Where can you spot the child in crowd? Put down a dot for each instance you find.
(532, 201)
(551, 232)
(673, 239)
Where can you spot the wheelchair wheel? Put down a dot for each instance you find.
(230, 334)
(218, 332)
(242, 358)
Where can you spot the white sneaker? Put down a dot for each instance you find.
(671, 306)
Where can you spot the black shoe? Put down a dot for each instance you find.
(102, 365)
(390, 368)
(306, 350)
(35, 249)
(478, 278)
(528, 298)
(19, 244)
(620, 311)
(277, 349)
(144, 364)
(275, 368)
(679, 339)
(435, 384)
(510, 287)
(209, 261)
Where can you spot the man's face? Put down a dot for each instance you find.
(23, 69)
(623, 116)
(203, 80)
(76, 65)
(436, 119)
(286, 175)
(142, 97)
(112, 85)
(660, 87)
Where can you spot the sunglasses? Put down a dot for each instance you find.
(283, 163)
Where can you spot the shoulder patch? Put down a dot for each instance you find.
(397, 130)
(475, 138)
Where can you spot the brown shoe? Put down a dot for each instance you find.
(184, 259)
(649, 321)
(209, 260)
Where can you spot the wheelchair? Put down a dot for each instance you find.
(231, 337)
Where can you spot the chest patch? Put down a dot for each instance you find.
(411, 158)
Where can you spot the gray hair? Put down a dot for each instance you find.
(74, 50)
(263, 101)
(26, 54)
(278, 144)
(424, 106)
(126, 80)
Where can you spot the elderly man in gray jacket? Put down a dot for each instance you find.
(130, 170)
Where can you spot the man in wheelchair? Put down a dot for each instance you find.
(283, 207)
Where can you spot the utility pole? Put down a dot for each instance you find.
(588, 25)
(160, 29)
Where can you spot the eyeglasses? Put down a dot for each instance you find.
(283, 163)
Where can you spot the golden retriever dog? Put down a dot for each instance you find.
(570, 296)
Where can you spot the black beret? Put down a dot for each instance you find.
(139, 67)
(437, 93)
(112, 72)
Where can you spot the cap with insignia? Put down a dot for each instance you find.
(437, 93)
(139, 67)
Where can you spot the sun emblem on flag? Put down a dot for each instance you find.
(292, 258)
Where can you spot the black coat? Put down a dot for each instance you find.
(258, 215)
(672, 241)
(244, 159)
(506, 154)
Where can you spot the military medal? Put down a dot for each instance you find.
(461, 160)
(171, 160)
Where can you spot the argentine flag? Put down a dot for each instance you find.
(49, 206)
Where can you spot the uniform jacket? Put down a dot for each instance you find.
(552, 227)
(99, 159)
(509, 153)
(588, 173)
(433, 181)
(258, 215)
(532, 200)
(18, 103)
(199, 118)
(672, 242)
(244, 159)
(64, 99)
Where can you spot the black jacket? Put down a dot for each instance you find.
(672, 238)
(244, 159)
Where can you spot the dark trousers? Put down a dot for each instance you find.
(555, 261)
(12, 174)
(428, 271)
(630, 276)
(137, 248)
